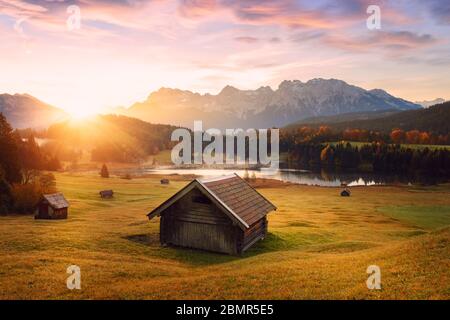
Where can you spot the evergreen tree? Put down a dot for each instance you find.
(53, 164)
(104, 172)
(9, 153)
(5, 193)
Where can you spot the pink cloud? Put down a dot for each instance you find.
(292, 13)
(246, 39)
(382, 40)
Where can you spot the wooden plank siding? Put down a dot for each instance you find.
(210, 237)
(257, 231)
(198, 225)
(45, 211)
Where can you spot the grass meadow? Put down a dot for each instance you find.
(319, 246)
(403, 145)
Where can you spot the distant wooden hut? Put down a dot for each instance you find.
(346, 193)
(106, 194)
(165, 181)
(223, 215)
(52, 206)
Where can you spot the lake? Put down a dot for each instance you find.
(305, 177)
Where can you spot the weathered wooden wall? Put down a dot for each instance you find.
(60, 214)
(193, 224)
(257, 231)
(45, 211)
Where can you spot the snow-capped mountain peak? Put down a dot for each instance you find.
(293, 100)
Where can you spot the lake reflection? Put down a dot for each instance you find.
(297, 176)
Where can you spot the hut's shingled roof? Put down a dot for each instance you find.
(247, 203)
(56, 200)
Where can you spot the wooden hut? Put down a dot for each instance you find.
(106, 194)
(164, 181)
(52, 206)
(346, 193)
(223, 215)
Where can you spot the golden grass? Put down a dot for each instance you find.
(319, 247)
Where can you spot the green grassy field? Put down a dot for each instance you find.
(410, 146)
(162, 158)
(319, 246)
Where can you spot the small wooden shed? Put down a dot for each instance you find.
(52, 206)
(223, 215)
(106, 194)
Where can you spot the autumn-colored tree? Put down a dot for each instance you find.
(424, 138)
(324, 131)
(398, 136)
(326, 154)
(347, 134)
(25, 196)
(355, 135)
(413, 137)
(305, 133)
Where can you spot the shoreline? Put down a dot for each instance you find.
(256, 182)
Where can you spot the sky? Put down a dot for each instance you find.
(121, 51)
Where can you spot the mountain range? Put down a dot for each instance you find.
(429, 103)
(264, 107)
(231, 108)
(25, 111)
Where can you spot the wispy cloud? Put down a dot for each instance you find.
(383, 40)
(246, 39)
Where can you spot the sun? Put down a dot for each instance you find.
(81, 114)
(82, 109)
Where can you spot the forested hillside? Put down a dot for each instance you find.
(109, 138)
(434, 119)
